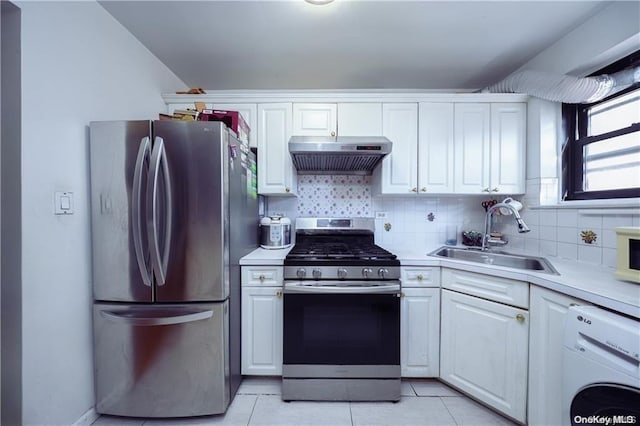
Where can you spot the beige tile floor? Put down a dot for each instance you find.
(258, 402)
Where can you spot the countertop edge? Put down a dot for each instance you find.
(537, 279)
(265, 257)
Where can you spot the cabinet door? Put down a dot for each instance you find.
(420, 332)
(484, 349)
(548, 312)
(262, 331)
(508, 135)
(360, 119)
(249, 113)
(314, 119)
(399, 173)
(276, 173)
(435, 148)
(472, 147)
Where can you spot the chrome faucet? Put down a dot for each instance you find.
(486, 237)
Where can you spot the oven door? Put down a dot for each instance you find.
(338, 330)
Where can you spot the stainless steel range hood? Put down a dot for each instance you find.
(344, 155)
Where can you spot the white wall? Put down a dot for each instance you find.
(78, 65)
(10, 291)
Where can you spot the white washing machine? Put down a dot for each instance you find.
(601, 377)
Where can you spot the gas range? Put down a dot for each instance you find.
(341, 334)
(339, 249)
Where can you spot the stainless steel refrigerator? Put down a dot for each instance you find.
(174, 208)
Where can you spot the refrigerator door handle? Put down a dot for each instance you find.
(143, 154)
(159, 258)
(131, 319)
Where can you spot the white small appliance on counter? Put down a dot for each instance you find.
(628, 243)
(275, 232)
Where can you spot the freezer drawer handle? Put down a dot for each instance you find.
(141, 160)
(159, 260)
(153, 321)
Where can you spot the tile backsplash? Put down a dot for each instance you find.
(334, 196)
(417, 224)
(412, 223)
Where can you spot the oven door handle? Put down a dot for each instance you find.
(330, 288)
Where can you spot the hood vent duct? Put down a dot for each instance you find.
(566, 88)
(346, 155)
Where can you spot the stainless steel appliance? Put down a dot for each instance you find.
(350, 155)
(174, 207)
(275, 232)
(341, 314)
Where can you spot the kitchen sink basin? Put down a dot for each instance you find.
(498, 258)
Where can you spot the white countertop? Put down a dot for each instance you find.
(592, 283)
(262, 256)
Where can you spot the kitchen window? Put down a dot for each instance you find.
(601, 155)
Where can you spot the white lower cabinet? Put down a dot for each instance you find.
(548, 313)
(420, 322)
(484, 349)
(420, 332)
(262, 308)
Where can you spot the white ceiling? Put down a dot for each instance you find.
(349, 44)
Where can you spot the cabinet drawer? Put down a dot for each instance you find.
(262, 276)
(502, 290)
(420, 276)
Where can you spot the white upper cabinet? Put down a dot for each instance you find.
(398, 172)
(337, 119)
(472, 146)
(360, 119)
(508, 136)
(276, 173)
(250, 114)
(442, 144)
(435, 148)
(489, 144)
(315, 119)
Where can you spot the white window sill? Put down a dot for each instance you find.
(620, 206)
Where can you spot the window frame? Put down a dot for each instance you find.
(575, 122)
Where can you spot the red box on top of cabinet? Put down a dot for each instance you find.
(233, 120)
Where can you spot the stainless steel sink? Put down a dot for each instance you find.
(498, 258)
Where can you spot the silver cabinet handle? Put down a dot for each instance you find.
(520, 318)
(136, 203)
(496, 189)
(159, 259)
(130, 318)
(338, 289)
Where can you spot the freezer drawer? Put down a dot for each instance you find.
(161, 360)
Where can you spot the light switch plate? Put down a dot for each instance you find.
(63, 202)
(382, 215)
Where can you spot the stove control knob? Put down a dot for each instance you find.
(342, 273)
(301, 273)
(316, 274)
(366, 272)
(382, 272)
